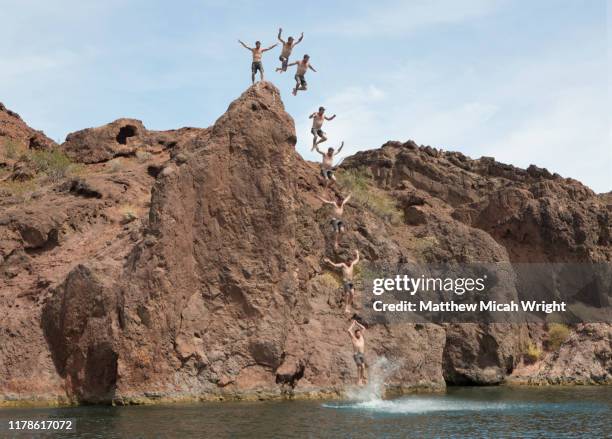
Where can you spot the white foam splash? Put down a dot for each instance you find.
(377, 375)
(370, 397)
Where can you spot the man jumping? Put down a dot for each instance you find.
(337, 223)
(359, 351)
(327, 164)
(256, 65)
(317, 126)
(300, 79)
(347, 277)
(287, 49)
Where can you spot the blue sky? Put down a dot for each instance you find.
(522, 81)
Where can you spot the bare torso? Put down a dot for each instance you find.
(257, 54)
(328, 161)
(287, 48)
(338, 210)
(358, 344)
(347, 272)
(317, 120)
(302, 66)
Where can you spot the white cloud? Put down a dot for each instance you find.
(402, 17)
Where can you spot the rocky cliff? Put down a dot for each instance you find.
(187, 264)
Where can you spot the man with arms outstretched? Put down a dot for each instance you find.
(327, 164)
(347, 278)
(256, 65)
(287, 49)
(317, 126)
(359, 351)
(300, 79)
(338, 224)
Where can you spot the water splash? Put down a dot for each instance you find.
(377, 375)
(370, 397)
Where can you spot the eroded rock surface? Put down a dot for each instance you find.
(193, 269)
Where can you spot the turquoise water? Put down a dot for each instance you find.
(462, 412)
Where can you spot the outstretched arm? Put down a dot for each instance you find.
(350, 329)
(356, 258)
(346, 199)
(294, 63)
(324, 200)
(311, 67)
(280, 30)
(270, 48)
(244, 45)
(330, 118)
(318, 150)
(360, 326)
(340, 265)
(339, 149)
(299, 39)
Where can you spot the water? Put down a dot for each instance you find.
(461, 412)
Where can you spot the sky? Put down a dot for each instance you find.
(524, 82)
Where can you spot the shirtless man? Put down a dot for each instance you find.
(257, 51)
(287, 49)
(327, 164)
(338, 225)
(359, 351)
(300, 80)
(317, 124)
(347, 277)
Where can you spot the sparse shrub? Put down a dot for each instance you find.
(330, 280)
(17, 188)
(143, 156)
(532, 353)
(360, 184)
(128, 214)
(558, 333)
(115, 166)
(11, 149)
(52, 162)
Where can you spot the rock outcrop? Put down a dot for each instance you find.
(195, 271)
(14, 129)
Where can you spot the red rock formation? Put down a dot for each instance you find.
(196, 271)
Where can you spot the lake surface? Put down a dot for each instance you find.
(461, 412)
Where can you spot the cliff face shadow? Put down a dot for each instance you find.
(76, 322)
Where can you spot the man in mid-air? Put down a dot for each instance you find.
(256, 65)
(327, 164)
(347, 277)
(287, 49)
(300, 79)
(338, 224)
(318, 135)
(359, 351)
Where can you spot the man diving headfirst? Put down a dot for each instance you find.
(359, 351)
(317, 126)
(347, 278)
(287, 49)
(256, 65)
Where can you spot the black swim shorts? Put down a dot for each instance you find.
(348, 286)
(257, 65)
(317, 132)
(284, 60)
(359, 359)
(327, 174)
(337, 225)
(301, 80)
